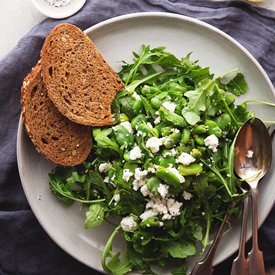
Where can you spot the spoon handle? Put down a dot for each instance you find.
(240, 264)
(255, 256)
(205, 267)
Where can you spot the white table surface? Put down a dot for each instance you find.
(17, 17)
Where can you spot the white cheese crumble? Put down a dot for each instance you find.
(144, 190)
(128, 126)
(136, 96)
(212, 142)
(168, 207)
(157, 120)
(169, 106)
(186, 195)
(148, 214)
(127, 175)
(140, 178)
(117, 197)
(249, 154)
(139, 133)
(103, 167)
(128, 224)
(185, 159)
(153, 144)
(135, 153)
(163, 190)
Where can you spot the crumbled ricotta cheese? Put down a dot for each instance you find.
(153, 144)
(58, 3)
(186, 195)
(212, 142)
(127, 175)
(163, 190)
(249, 154)
(139, 133)
(135, 153)
(185, 159)
(144, 190)
(157, 120)
(174, 207)
(169, 106)
(148, 214)
(151, 170)
(103, 167)
(136, 96)
(150, 125)
(117, 197)
(128, 224)
(128, 126)
(140, 178)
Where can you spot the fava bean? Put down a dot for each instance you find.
(153, 185)
(213, 128)
(199, 140)
(223, 121)
(144, 128)
(172, 140)
(150, 222)
(155, 132)
(192, 169)
(141, 118)
(196, 153)
(165, 131)
(167, 176)
(162, 125)
(123, 117)
(123, 136)
(138, 107)
(185, 136)
(200, 129)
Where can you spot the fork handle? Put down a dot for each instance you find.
(240, 264)
(205, 267)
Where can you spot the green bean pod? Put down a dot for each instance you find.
(190, 170)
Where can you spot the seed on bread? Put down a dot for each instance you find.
(79, 81)
(54, 136)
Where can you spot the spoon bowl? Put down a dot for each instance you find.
(253, 151)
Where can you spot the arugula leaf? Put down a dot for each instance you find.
(95, 216)
(178, 250)
(174, 118)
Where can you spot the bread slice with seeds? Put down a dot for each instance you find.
(79, 81)
(54, 136)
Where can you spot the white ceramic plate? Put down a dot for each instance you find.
(58, 12)
(116, 39)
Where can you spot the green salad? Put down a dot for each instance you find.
(165, 166)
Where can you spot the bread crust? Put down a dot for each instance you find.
(54, 136)
(79, 81)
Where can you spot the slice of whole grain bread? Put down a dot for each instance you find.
(54, 136)
(79, 81)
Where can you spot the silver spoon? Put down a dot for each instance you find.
(253, 151)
